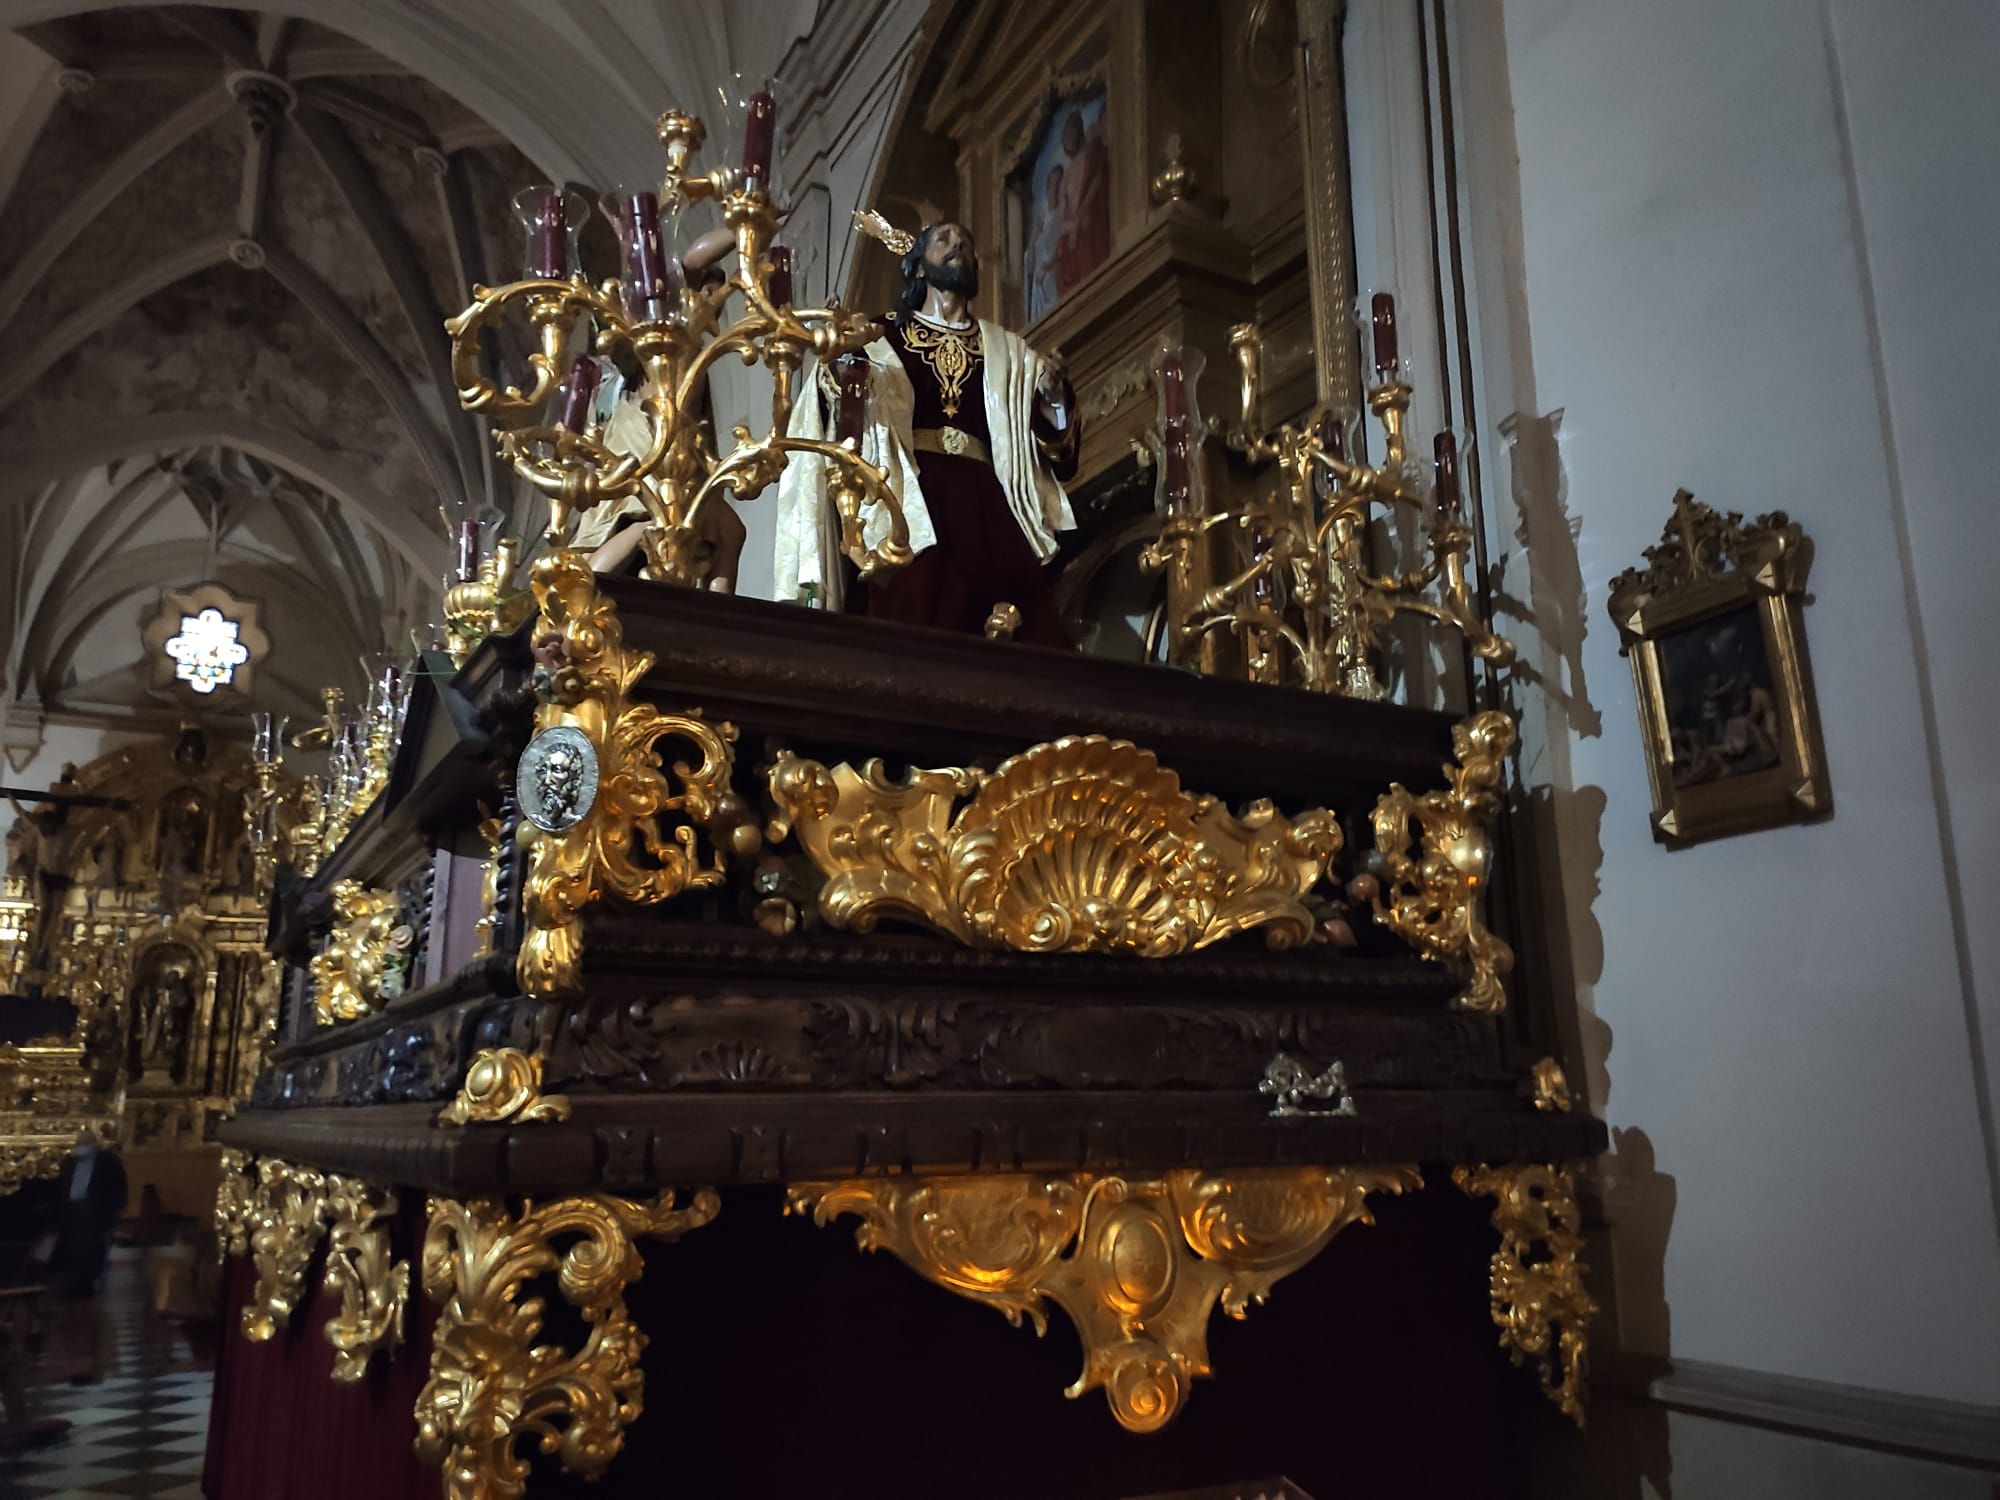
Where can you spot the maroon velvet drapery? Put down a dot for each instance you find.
(281, 1427)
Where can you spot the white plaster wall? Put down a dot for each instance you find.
(1782, 1028)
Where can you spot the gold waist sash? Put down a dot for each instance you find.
(950, 440)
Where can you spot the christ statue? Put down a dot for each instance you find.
(977, 434)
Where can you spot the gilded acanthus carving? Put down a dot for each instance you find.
(503, 1084)
(1138, 1264)
(234, 1205)
(1082, 844)
(347, 973)
(636, 839)
(1551, 1087)
(1431, 896)
(1539, 1300)
(491, 1383)
(288, 1215)
(362, 1271)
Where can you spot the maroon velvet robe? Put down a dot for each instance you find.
(981, 558)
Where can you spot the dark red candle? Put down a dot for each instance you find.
(1262, 588)
(1444, 449)
(579, 392)
(759, 128)
(548, 236)
(1333, 435)
(648, 274)
(1382, 314)
(1173, 387)
(853, 378)
(781, 275)
(468, 551)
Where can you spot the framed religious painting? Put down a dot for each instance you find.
(1713, 625)
(1060, 188)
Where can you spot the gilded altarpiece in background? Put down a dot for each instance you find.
(159, 947)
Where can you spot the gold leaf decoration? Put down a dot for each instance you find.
(638, 842)
(1539, 1300)
(1551, 1087)
(1137, 1264)
(373, 1286)
(288, 1214)
(491, 1383)
(347, 972)
(1431, 897)
(1083, 844)
(234, 1205)
(503, 1084)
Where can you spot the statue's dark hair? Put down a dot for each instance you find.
(915, 286)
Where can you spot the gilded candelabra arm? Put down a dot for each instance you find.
(681, 135)
(855, 482)
(552, 307)
(1247, 345)
(1455, 605)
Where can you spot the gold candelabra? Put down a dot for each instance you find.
(669, 322)
(1303, 603)
(483, 601)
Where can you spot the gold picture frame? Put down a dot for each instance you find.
(1713, 624)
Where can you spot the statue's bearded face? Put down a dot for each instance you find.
(951, 261)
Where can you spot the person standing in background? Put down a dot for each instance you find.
(90, 1197)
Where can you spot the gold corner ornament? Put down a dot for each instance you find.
(1430, 898)
(1539, 1301)
(347, 973)
(1551, 1087)
(503, 1085)
(362, 1271)
(1083, 844)
(235, 1203)
(637, 839)
(491, 1384)
(1137, 1264)
(287, 1218)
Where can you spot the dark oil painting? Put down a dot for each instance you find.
(1721, 702)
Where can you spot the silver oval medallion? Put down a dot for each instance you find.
(557, 778)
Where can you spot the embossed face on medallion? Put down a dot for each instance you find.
(557, 778)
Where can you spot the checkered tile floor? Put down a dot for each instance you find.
(140, 1431)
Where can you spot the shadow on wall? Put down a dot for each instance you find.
(1556, 598)
(1629, 1202)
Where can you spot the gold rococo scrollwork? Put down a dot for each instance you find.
(362, 1271)
(1430, 898)
(503, 1084)
(287, 1218)
(1539, 1301)
(1078, 845)
(491, 1383)
(1137, 1264)
(235, 1202)
(347, 973)
(638, 842)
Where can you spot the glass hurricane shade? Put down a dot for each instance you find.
(1176, 372)
(550, 218)
(651, 278)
